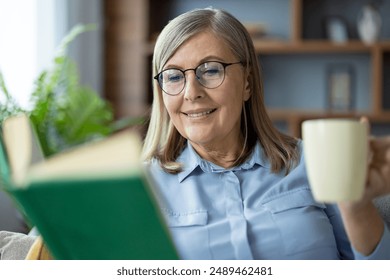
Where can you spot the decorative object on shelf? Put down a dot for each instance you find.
(340, 78)
(369, 24)
(336, 29)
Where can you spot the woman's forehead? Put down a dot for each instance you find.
(200, 46)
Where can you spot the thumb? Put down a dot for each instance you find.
(364, 120)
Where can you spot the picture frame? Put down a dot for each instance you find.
(336, 29)
(340, 88)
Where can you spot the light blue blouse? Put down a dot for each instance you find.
(247, 212)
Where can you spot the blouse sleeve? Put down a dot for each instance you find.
(382, 250)
(342, 241)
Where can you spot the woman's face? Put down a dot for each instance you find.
(207, 117)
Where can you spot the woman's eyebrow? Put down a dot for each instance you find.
(203, 60)
(211, 57)
(170, 66)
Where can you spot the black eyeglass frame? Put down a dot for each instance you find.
(194, 69)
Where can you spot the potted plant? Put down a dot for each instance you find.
(63, 112)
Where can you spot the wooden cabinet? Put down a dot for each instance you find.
(132, 26)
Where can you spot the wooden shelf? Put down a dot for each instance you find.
(294, 118)
(315, 46)
(385, 46)
(129, 53)
(286, 114)
(274, 46)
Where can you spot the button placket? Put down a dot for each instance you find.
(235, 216)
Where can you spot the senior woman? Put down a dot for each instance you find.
(229, 184)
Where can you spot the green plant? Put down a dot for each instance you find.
(63, 112)
(9, 107)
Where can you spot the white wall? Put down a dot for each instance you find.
(30, 35)
(18, 46)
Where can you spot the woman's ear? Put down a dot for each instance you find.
(247, 88)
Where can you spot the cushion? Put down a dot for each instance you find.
(383, 205)
(15, 246)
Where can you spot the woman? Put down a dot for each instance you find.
(229, 184)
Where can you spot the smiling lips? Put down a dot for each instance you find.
(199, 114)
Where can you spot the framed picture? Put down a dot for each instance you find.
(336, 29)
(340, 83)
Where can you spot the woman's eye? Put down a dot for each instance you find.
(211, 72)
(174, 78)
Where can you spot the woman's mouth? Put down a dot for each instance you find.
(200, 114)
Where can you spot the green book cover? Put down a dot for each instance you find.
(97, 219)
(100, 214)
(4, 167)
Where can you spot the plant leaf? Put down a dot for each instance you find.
(9, 106)
(83, 116)
(66, 113)
(76, 31)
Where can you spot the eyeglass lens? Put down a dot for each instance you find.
(209, 74)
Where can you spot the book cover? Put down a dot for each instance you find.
(103, 211)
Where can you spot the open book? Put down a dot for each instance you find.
(91, 202)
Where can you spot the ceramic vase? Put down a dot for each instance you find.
(369, 24)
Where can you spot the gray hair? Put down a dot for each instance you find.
(191, 23)
(163, 141)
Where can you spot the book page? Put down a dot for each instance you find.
(117, 155)
(22, 146)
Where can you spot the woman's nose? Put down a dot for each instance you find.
(192, 89)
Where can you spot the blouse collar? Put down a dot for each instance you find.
(191, 161)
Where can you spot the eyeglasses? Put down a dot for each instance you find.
(209, 74)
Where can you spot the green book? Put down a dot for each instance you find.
(92, 202)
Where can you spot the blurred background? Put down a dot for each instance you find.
(319, 58)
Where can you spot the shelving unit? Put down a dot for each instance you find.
(130, 40)
(378, 52)
(300, 45)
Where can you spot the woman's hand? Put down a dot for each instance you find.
(378, 175)
(362, 221)
(378, 169)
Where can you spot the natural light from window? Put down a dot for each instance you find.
(18, 46)
(27, 43)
